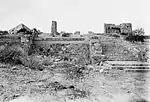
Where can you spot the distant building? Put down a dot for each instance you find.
(54, 29)
(20, 28)
(123, 28)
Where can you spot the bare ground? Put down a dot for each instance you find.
(21, 84)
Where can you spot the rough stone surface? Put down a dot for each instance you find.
(126, 28)
(76, 53)
(123, 28)
(76, 49)
(54, 28)
(112, 28)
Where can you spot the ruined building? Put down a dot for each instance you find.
(54, 32)
(124, 28)
(85, 49)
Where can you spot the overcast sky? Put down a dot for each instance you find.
(72, 15)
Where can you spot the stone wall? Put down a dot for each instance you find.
(54, 29)
(126, 28)
(112, 28)
(123, 28)
(117, 49)
(23, 40)
(77, 52)
(8, 40)
(96, 50)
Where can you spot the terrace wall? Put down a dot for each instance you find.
(76, 50)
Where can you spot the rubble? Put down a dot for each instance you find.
(75, 49)
(65, 64)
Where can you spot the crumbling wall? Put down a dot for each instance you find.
(25, 35)
(20, 41)
(123, 28)
(118, 49)
(8, 40)
(54, 29)
(26, 43)
(126, 28)
(96, 50)
(112, 28)
(77, 53)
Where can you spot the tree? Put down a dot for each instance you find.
(138, 32)
(136, 36)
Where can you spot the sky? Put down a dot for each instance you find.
(74, 15)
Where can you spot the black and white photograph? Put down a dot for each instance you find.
(74, 51)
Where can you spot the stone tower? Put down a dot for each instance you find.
(126, 28)
(54, 28)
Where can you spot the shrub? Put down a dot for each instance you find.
(35, 63)
(75, 73)
(136, 36)
(13, 56)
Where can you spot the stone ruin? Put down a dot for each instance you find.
(54, 32)
(21, 35)
(75, 49)
(124, 28)
(96, 50)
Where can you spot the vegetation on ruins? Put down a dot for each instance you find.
(77, 54)
(12, 54)
(136, 36)
(64, 69)
(65, 34)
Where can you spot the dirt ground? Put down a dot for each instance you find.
(21, 84)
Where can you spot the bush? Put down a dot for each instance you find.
(35, 62)
(75, 73)
(135, 38)
(13, 56)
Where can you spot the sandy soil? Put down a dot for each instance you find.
(21, 84)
